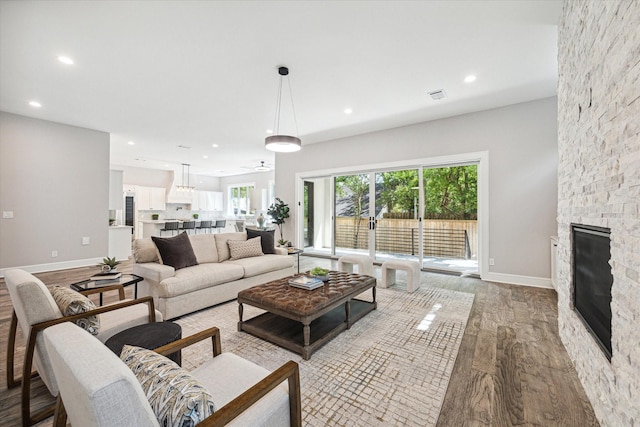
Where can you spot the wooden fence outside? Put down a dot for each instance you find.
(442, 238)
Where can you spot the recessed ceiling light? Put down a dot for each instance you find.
(205, 157)
(470, 78)
(65, 60)
(215, 145)
(348, 110)
(269, 131)
(35, 104)
(131, 143)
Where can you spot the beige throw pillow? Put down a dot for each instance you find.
(176, 397)
(245, 248)
(71, 302)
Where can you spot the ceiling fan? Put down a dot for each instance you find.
(262, 167)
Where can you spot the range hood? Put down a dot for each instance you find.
(175, 196)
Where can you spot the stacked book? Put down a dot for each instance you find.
(305, 282)
(102, 278)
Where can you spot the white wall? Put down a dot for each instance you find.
(259, 179)
(55, 180)
(521, 141)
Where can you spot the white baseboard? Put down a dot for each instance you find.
(39, 268)
(514, 279)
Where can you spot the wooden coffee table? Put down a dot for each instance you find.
(302, 321)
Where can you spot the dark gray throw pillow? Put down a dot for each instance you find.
(267, 239)
(176, 251)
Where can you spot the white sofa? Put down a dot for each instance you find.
(216, 278)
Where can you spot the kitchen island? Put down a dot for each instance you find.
(151, 227)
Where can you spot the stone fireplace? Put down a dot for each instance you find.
(599, 185)
(591, 281)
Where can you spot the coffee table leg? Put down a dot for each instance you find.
(375, 304)
(347, 312)
(306, 334)
(240, 309)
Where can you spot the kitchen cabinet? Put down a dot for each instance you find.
(207, 201)
(150, 198)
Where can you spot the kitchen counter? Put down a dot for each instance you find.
(151, 227)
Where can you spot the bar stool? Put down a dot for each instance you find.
(170, 226)
(221, 223)
(188, 225)
(204, 225)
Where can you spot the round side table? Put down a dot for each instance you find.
(148, 335)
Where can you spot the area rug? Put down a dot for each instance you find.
(391, 368)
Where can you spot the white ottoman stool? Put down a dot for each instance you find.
(364, 263)
(411, 267)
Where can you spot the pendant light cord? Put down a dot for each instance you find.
(276, 124)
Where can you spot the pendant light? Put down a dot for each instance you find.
(277, 142)
(185, 188)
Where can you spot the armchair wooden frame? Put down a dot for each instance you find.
(27, 418)
(222, 416)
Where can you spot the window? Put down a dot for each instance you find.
(240, 199)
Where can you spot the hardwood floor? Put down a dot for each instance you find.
(511, 370)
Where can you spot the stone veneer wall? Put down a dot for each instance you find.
(599, 184)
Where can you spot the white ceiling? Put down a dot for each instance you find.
(169, 73)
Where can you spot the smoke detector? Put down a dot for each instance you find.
(437, 94)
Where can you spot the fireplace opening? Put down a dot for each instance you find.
(592, 281)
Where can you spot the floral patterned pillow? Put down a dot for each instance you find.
(176, 397)
(71, 302)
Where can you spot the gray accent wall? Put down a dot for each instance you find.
(521, 140)
(55, 180)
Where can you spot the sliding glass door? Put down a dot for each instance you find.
(352, 215)
(427, 214)
(397, 223)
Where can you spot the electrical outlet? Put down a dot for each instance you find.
(54, 254)
(85, 241)
(491, 261)
(7, 214)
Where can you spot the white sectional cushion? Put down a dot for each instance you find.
(198, 277)
(154, 271)
(204, 246)
(223, 247)
(263, 264)
(237, 375)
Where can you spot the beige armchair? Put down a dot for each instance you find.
(98, 389)
(34, 309)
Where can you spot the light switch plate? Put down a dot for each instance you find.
(7, 214)
(85, 240)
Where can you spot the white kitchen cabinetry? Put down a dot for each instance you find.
(207, 201)
(150, 198)
(218, 201)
